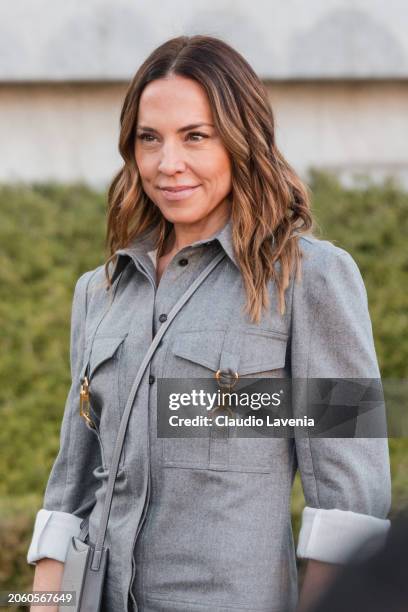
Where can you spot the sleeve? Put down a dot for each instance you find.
(70, 491)
(346, 481)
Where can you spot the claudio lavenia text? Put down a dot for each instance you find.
(223, 420)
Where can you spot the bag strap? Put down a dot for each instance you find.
(97, 556)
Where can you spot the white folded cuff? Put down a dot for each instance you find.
(335, 535)
(52, 533)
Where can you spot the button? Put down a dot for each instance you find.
(151, 379)
(183, 262)
(163, 318)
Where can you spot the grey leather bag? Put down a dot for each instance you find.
(86, 563)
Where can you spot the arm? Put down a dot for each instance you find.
(317, 578)
(47, 577)
(70, 491)
(346, 481)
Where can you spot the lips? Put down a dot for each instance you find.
(178, 193)
(180, 188)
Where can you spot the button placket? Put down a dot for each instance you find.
(229, 364)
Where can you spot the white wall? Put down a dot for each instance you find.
(70, 132)
(338, 74)
(108, 39)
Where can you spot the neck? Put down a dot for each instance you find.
(183, 234)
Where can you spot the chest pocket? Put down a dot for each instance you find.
(103, 362)
(198, 354)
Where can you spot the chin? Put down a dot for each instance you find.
(186, 216)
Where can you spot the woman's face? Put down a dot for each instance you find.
(184, 167)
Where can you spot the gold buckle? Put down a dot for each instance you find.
(84, 403)
(227, 385)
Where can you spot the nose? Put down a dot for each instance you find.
(171, 160)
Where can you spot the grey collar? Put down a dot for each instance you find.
(146, 242)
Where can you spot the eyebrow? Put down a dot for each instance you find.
(186, 128)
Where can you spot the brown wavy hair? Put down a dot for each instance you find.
(270, 206)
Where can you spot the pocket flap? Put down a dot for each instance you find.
(202, 347)
(103, 348)
(262, 350)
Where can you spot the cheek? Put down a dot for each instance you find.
(223, 174)
(145, 164)
(216, 170)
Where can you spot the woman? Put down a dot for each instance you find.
(204, 523)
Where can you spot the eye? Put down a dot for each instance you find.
(193, 136)
(197, 136)
(145, 137)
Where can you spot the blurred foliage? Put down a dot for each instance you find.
(17, 515)
(370, 221)
(50, 234)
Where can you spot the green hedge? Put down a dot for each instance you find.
(371, 222)
(50, 234)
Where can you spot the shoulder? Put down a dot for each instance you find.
(322, 260)
(328, 271)
(317, 253)
(90, 283)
